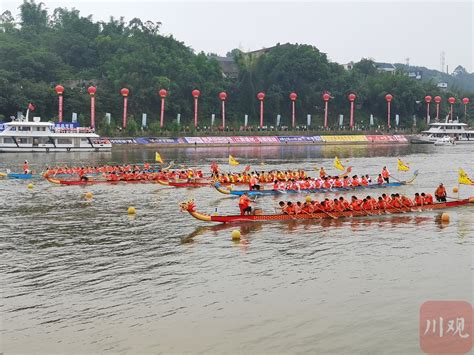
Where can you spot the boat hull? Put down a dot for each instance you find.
(327, 215)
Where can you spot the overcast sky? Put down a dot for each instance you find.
(388, 31)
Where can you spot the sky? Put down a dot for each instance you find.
(386, 31)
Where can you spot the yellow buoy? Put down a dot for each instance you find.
(455, 189)
(30, 185)
(308, 199)
(131, 210)
(88, 195)
(445, 217)
(235, 234)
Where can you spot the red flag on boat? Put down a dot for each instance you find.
(31, 107)
(247, 168)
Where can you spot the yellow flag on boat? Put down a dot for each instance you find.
(402, 166)
(158, 158)
(232, 161)
(338, 165)
(464, 179)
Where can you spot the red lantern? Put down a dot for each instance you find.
(451, 100)
(124, 92)
(352, 97)
(293, 96)
(261, 96)
(59, 89)
(388, 97)
(437, 99)
(326, 97)
(196, 93)
(163, 93)
(428, 99)
(91, 90)
(222, 96)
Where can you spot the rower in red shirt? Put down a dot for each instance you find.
(381, 204)
(418, 200)
(364, 181)
(344, 203)
(380, 179)
(355, 203)
(428, 198)
(244, 204)
(337, 182)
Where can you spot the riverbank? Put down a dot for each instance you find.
(217, 141)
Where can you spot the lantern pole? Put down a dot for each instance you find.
(124, 93)
(91, 90)
(223, 115)
(163, 93)
(293, 98)
(195, 112)
(162, 112)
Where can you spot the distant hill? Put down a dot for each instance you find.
(460, 80)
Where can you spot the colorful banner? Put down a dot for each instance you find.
(356, 138)
(295, 139)
(383, 138)
(260, 139)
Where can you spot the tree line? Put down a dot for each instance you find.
(43, 49)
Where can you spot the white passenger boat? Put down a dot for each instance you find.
(454, 130)
(22, 135)
(445, 141)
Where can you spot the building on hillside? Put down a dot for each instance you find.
(443, 86)
(228, 66)
(417, 75)
(385, 67)
(348, 66)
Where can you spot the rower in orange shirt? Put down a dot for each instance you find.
(386, 174)
(337, 182)
(418, 200)
(244, 204)
(344, 203)
(380, 179)
(381, 204)
(440, 193)
(289, 209)
(428, 198)
(406, 201)
(364, 181)
(322, 173)
(355, 203)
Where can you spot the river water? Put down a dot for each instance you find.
(84, 277)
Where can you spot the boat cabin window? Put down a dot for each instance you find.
(25, 128)
(8, 140)
(22, 140)
(64, 141)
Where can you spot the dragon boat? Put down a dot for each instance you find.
(91, 181)
(17, 175)
(190, 207)
(230, 191)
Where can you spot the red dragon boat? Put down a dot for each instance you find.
(190, 207)
(91, 181)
